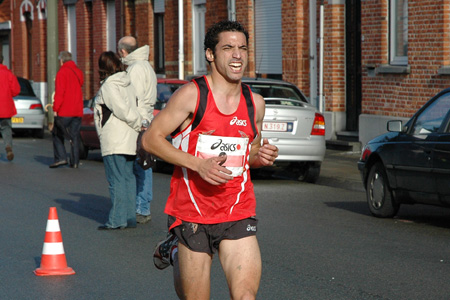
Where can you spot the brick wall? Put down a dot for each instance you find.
(400, 95)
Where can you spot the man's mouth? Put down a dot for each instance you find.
(236, 66)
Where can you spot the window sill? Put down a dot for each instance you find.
(444, 70)
(390, 69)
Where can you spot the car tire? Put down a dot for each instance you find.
(379, 194)
(310, 172)
(83, 150)
(38, 133)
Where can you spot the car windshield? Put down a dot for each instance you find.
(25, 87)
(268, 90)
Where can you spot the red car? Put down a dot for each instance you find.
(89, 139)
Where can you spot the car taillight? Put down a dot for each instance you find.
(319, 125)
(35, 106)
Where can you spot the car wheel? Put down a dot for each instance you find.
(83, 150)
(379, 195)
(310, 172)
(38, 133)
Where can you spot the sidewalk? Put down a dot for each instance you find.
(339, 169)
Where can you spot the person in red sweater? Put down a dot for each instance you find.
(68, 109)
(9, 87)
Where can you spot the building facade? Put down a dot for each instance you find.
(360, 62)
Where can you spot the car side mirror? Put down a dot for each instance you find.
(394, 126)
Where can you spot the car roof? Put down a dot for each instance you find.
(172, 80)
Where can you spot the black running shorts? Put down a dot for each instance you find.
(207, 237)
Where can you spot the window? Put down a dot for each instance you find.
(398, 32)
(111, 26)
(431, 118)
(159, 11)
(199, 11)
(72, 31)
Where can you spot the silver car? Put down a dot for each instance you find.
(30, 113)
(293, 125)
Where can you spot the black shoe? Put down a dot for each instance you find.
(74, 166)
(58, 163)
(104, 227)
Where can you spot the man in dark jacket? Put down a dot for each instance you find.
(9, 87)
(68, 109)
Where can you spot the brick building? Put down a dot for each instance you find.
(382, 59)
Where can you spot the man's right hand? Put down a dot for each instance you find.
(212, 171)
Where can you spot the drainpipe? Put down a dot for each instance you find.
(180, 41)
(313, 53)
(232, 10)
(11, 38)
(321, 100)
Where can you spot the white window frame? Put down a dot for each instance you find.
(72, 31)
(396, 58)
(111, 26)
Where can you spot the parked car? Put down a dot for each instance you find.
(89, 139)
(410, 164)
(293, 125)
(30, 112)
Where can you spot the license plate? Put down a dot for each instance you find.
(274, 126)
(16, 120)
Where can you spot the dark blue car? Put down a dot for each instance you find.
(410, 164)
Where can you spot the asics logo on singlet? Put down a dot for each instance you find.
(238, 122)
(224, 146)
(251, 228)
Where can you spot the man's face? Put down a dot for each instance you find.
(231, 56)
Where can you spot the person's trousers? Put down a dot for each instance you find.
(66, 128)
(144, 189)
(122, 190)
(6, 131)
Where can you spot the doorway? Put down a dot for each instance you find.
(353, 63)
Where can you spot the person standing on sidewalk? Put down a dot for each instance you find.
(68, 109)
(9, 88)
(211, 205)
(143, 79)
(118, 123)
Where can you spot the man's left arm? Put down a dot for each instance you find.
(264, 154)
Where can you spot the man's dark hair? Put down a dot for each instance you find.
(109, 63)
(127, 46)
(212, 35)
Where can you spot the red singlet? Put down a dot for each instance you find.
(212, 133)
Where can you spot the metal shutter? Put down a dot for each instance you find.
(268, 47)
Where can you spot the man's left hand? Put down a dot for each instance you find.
(267, 153)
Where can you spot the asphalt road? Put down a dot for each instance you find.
(318, 241)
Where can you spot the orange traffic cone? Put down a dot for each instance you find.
(53, 260)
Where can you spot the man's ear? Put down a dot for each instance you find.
(209, 55)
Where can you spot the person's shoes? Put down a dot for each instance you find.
(9, 153)
(104, 227)
(162, 256)
(58, 163)
(74, 166)
(141, 219)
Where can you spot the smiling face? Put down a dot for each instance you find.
(230, 57)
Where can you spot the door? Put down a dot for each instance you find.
(353, 63)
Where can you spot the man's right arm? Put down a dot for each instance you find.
(177, 114)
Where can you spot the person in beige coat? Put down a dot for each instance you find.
(118, 122)
(143, 79)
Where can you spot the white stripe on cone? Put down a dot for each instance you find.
(53, 226)
(53, 248)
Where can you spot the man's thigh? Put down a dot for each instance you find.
(194, 273)
(241, 262)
